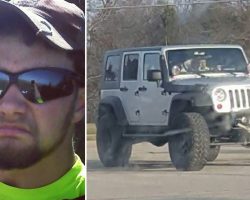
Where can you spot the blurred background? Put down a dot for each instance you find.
(79, 139)
(130, 23)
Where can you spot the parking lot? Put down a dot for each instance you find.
(151, 176)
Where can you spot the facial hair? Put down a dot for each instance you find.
(16, 156)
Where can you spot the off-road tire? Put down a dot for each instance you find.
(188, 150)
(213, 153)
(112, 148)
(159, 142)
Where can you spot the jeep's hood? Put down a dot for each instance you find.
(213, 81)
(197, 83)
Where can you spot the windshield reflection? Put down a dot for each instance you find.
(206, 60)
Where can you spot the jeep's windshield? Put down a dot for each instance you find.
(206, 60)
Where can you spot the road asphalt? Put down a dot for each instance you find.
(151, 176)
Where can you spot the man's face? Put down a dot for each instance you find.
(28, 131)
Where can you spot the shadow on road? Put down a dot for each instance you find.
(95, 165)
(236, 151)
(142, 165)
(227, 163)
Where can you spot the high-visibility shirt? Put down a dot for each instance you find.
(69, 186)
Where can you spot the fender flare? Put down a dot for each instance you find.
(188, 99)
(116, 105)
(196, 99)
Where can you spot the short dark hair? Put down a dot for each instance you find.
(11, 24)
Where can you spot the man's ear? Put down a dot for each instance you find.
(79, 106)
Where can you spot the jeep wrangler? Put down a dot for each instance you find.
(193, 97)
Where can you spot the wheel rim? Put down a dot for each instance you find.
(107, 140)
(183, 144)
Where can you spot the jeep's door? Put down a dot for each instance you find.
(130, 77)
(155, 103)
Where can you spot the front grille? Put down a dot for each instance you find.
(239, 98)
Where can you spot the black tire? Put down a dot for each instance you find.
(188, 150)
(213, 153)
(112, 148)
(159, 142)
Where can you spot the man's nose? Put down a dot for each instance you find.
(12, 104)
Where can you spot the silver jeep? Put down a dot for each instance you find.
(193, 97)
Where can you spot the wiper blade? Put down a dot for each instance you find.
(199, 74)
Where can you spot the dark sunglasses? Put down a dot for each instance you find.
(42, 84)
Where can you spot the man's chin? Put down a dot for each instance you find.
(16, 157)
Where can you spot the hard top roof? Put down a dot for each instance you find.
(171, 47)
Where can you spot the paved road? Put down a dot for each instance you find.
(151, 176)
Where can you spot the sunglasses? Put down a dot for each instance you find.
(42, 84)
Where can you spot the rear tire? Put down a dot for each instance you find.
(188, 150)
(112, 148)
(213, 153)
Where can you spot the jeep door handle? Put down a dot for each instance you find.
(124, 89)
(142, 89)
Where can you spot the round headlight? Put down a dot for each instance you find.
(220, 95)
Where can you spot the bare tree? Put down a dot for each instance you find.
(109, 29)
(185, 23)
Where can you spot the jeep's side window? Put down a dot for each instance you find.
(151, 61)
(130, 68)
(112, 68)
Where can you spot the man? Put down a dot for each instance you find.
(41, 99)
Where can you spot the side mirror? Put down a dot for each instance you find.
(154, 75)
